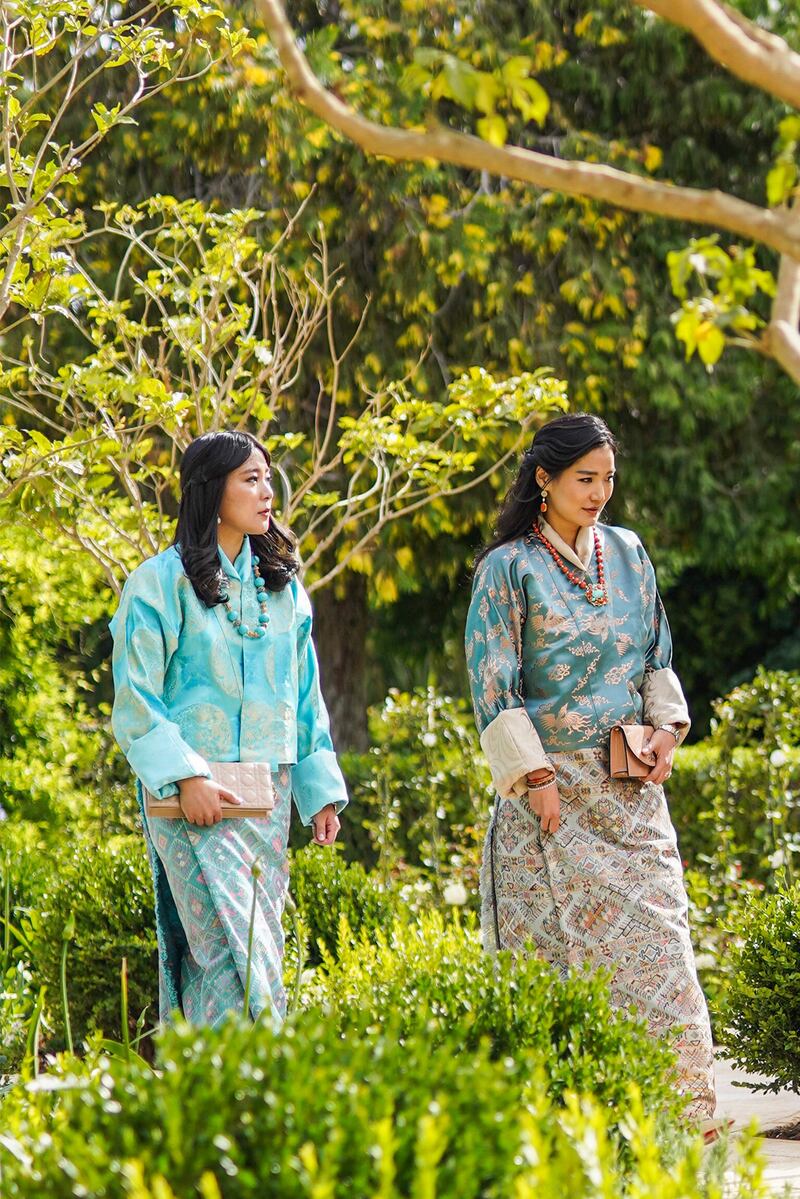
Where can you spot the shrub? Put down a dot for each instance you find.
(108, 890)
(432, 975)
(17, 1002)
(240, 1113)
(326, 888)
(27, 860)
(765, 711)
(425, 789)
(759, 1016)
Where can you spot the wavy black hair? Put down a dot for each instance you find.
(207, 461)
(555, 447)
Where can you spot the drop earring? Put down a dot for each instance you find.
(543, 505)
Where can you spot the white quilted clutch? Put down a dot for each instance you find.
(251, 781)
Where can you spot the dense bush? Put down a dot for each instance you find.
(736, 808)
(431, 974)
(326, 888)
(51, 747)
(758, 1018)
(107, 888)
(763, 712)
(423, 788)
(240, 1113)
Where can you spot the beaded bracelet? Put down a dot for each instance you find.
(541, 786)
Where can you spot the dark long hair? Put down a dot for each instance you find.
(556, 446)
(206, 464)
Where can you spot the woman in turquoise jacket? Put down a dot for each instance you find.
(213, 662)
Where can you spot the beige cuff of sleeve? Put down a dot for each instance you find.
(513, 750)
(664, 701)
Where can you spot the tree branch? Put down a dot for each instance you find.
(604, 183)
(747, 51)
(782, 335)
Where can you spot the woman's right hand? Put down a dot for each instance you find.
(546, 804)
(200, 799)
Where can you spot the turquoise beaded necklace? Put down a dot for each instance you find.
(261, 594)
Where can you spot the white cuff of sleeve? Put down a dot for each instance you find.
(664, 701)
(513, 749)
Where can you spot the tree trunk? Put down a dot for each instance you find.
(340, 634)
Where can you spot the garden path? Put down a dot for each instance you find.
(782, 1171)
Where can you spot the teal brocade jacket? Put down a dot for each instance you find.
(190, 690)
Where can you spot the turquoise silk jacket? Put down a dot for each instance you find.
(190, 690)
(551, 673)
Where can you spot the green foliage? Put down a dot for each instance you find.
(782, 178)
(425, 789)
(327, 889)
(207, 325)
(736, 810)
(107, 889)
(308, 1113)
(17, 1000)
(725, 283)
(759, 1016)
(735, 803)
(430, 975)
(55, 58)
(439, 75)
(764, 713)
(735, 798)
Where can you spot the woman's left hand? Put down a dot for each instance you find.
(663, 745)
(326, 825)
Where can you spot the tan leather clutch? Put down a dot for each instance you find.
(625, 745)
(251, 781)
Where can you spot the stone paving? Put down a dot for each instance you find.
(782, 1171)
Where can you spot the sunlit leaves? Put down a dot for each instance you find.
(717, 288)
(39, 98)
(443, 76)
(782, 177)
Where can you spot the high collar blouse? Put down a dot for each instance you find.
(551, 673)
(190, 690)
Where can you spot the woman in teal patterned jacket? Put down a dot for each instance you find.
(567, 637)
(213, 662)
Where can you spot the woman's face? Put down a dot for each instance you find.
(578, 495)
(247, 499)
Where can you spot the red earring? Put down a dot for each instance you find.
(543, 505)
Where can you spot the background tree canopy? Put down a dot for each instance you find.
(464, 270)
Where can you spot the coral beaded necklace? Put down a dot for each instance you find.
(596, 593)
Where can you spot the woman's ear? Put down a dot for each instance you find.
(541, 478)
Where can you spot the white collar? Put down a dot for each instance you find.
(582, 555)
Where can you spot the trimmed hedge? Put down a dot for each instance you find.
(326, 889)
(431, 976)
(108, 890)
(242, 1113)
(720, 802)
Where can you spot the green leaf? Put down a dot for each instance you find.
(461, 81)
(780, 181)
(710, 343)
(493, 129)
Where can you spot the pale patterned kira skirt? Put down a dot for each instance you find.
(204, 896)
(605, 889)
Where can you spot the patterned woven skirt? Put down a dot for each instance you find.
(607, 889)
(204, 895)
